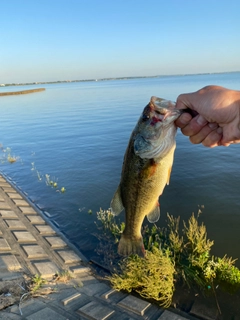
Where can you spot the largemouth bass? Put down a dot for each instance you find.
(146, 170)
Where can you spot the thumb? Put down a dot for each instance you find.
(183, 102)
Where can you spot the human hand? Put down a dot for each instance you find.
(217, 116)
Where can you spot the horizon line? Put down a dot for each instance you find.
(112, 78)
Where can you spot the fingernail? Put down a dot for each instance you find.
(212, 125)
(201, 120)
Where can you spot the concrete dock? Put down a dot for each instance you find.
(30, 245)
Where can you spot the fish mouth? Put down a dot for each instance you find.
(155, 131)
(164, 109)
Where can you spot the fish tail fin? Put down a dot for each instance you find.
(129, 246)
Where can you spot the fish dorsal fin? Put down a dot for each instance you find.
(154, 215)
(116, 203)
(169, 174)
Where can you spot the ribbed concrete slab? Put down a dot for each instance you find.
(14, 195)
(4, 246)
(24, 236)
(45, 230)
(107, 294)
(21, 203)
(87, 279)
(80, 269)
(9, 262)
(46, 314)
(96, 311)
(46, 269)
(15, 225)
(34, 219)
(134, 304)
(4, 184)
(35, 252)
(69, 256)
(8, 188)
(70, 298)
(56, 242)
(114, 296)
(8, 214)
(96, 289)
(27, 210)
(68, 290)
(167, 315)
(4, 205)
(29, 307)
(42, 252)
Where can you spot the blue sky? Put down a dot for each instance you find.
(47, 40)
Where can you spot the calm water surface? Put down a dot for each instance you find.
(78, 132)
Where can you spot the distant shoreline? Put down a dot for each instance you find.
(110, 79)
(21, 92)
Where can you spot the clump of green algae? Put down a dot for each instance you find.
(171, 257)
(151, 277)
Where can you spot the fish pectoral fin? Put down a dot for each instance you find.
(116, 203)
(154, 215)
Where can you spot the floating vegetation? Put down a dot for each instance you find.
(7, 155)
(108, 226)
(172, 256)
(109, 233)
(39, 176)
(50, 181)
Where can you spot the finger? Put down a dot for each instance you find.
(203, 133)
(181, 102)
(226, 144)
(213, 138)
(183, 120)
(194, 126)
(231, 133)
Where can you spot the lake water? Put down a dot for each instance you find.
(77, 134)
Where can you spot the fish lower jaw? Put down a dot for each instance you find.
(129, 245)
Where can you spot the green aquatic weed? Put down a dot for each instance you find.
(186, 254)
(152, 277)
(108, 224)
